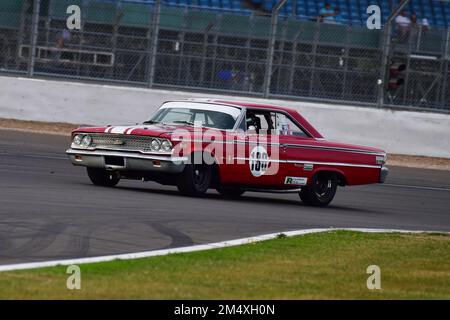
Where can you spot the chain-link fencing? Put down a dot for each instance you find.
(423, 54)
(157, 45)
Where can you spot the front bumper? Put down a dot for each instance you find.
(131, 161)
(383, 174)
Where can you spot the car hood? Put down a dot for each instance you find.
(154, 130)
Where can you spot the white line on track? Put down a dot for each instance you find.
(39, 156)
(202, 247)
(415, 187)
(44, 157)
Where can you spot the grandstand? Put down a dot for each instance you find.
(352, 11)
(194, 44)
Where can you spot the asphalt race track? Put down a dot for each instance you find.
(49, 209)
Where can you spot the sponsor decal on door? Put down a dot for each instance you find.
(298, 181)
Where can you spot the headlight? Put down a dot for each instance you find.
(77, 139)
(86, 141)
(155, 145)
(166, 146)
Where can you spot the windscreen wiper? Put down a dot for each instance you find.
(183, 122)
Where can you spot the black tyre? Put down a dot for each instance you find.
(230, 192)
(195, 179)
(101, 177)
(321, 191)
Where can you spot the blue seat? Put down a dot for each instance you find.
(172, 2)
(312, 11)
(216, 3)
(236, 4)
(203, 3)
(227, 4)
(416, 7)
(301, 11)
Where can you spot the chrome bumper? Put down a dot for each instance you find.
(131, 161)
(383, 174)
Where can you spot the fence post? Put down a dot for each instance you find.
(445, 70)
(154, 44)
(34, 37)
(386, 42)
(387, 35)
(272, 41)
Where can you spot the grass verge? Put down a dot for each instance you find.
(329, 265)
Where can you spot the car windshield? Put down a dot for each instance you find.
(203, 114)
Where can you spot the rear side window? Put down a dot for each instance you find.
(269, 122)
(285, 126)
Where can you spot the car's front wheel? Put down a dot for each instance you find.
(104, 178)
(321, 191)
(195, 179)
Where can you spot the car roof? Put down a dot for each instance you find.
(246, 104)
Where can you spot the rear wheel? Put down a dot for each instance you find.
(230, 191)
(321, 191)
(195, 179)
(101, 177)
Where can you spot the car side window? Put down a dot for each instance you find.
(259, 121)
(285, 126)
(200, 117)
(267, 122)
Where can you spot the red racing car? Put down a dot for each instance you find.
(230, 146)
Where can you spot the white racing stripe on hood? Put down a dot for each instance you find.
(120, 129)
(132, 128)
(125, 129)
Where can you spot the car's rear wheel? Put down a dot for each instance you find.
(230, 192)
(321, 191)
(104, 178)
(195, 179)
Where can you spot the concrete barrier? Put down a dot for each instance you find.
(402, 132)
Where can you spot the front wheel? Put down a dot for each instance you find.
(101, 177)
(321, 191)
(195, 179)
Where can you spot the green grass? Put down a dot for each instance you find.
(318, 266)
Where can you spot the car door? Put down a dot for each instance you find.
(294, 169)
(257, 155)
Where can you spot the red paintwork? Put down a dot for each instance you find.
(319, 151)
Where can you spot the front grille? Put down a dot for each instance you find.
(121, 142)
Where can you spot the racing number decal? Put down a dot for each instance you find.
(259, 161)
